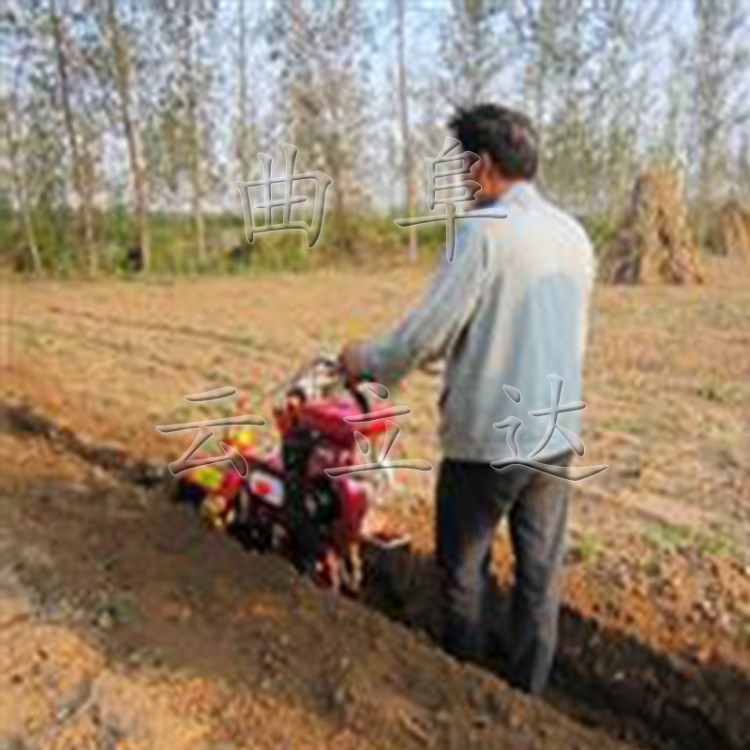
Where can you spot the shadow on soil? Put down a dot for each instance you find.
(602, 677)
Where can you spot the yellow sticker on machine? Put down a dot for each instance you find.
(208, 477)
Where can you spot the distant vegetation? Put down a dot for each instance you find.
(371, 241)
(124, 126)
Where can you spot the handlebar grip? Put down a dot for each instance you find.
(362, 401)
(351, 385)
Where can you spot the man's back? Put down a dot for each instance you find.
(528, 323)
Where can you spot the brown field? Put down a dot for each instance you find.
(126, 624)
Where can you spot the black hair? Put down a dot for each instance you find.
(507, 136)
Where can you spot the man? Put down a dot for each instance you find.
(506, 314)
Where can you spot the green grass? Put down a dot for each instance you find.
(667, 537)
(671, 538)
(627, 424)
(587, 547)
(719, 542)
(368, 236)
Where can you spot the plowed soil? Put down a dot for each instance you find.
(127, 624)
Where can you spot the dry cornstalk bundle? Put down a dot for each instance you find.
(730, 229)
(654, 241)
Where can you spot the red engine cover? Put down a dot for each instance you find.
(329, 417)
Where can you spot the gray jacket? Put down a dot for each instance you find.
(509, 316)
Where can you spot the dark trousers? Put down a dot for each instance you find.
(472, 498)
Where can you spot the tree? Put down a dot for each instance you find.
(721, 99)
(32, 154)
(472, 54)
(243, 127)
(120, 38)
(79, 150)
(14, 149)
(586, 71)
(322, 57)
(406, 140)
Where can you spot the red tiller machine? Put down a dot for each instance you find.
(302, 500)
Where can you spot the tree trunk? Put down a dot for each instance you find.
(83, 193)
(403, 96)
(132, 137)
(21, 194)
(196, 156)
(241, 147)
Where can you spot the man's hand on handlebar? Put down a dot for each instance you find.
(352, 361)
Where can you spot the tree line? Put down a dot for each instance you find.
(125, 123)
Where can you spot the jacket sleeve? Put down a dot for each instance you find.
(430, 329)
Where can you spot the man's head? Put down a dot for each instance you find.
(505, 141)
